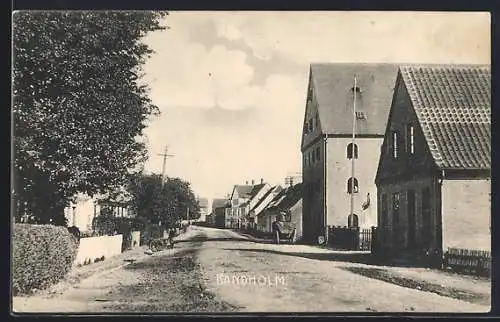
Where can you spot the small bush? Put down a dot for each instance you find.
(42, 256)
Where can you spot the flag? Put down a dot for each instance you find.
(366, 204)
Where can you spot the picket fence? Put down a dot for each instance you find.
(469, 261)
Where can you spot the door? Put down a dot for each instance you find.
(396, 229)
(412, 225)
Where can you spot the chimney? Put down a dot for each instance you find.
(261, 180)
(253, 182)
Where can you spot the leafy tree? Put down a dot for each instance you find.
(165, 203)
(78, 104)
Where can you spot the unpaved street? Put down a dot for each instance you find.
(214, 270)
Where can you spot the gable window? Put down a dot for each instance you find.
(350, 151)
(410, 139)
(360, 115)
(352, 185)
(394, 144)
(317, 120)
(311, 126)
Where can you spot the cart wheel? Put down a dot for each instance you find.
(277, 235)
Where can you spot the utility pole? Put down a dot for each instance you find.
(353, 144)
(165, 155)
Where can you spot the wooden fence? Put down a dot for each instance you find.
(346, 238)
(468, 261)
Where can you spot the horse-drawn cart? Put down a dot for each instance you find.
(284, 229)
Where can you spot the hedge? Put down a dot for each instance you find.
(42, 255)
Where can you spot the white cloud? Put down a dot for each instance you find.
(368, 36)
(214, 158)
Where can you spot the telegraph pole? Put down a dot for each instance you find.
(165, 155)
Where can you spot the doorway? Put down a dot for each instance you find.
(412, 225)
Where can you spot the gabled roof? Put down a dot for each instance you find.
(256, 189)
(287, 198)
(274, 189)
(453, 107)
(219, 203)
(243, 191)
(292, 196)
(333, 84)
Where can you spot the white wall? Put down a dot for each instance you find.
(84, 213)
(339, 171)
(466, 210)
(95, 247)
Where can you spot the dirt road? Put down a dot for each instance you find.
(214, 270)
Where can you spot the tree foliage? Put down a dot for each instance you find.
(167, 203)
(78, 104)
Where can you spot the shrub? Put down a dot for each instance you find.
(42, 256)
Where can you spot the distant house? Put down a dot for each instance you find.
(433, 177)
(289, 200)
(260, 206)
(218, 215)
(204, 211)
(84, 209)
(243, 198)
(327, 149)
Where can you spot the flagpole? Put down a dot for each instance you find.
(352, 145)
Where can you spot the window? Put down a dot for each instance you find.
(360, 115)
(351, 185)
(313, 157)
(318, 156)
(394, 144)
(350, 152)
(317, 120)
(352, 221)
(311, 126)
(410, 139)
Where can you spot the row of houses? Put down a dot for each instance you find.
(255, 206)
(406, 148)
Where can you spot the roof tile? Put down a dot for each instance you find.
(453, 106)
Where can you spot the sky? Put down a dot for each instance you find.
(231, 86)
